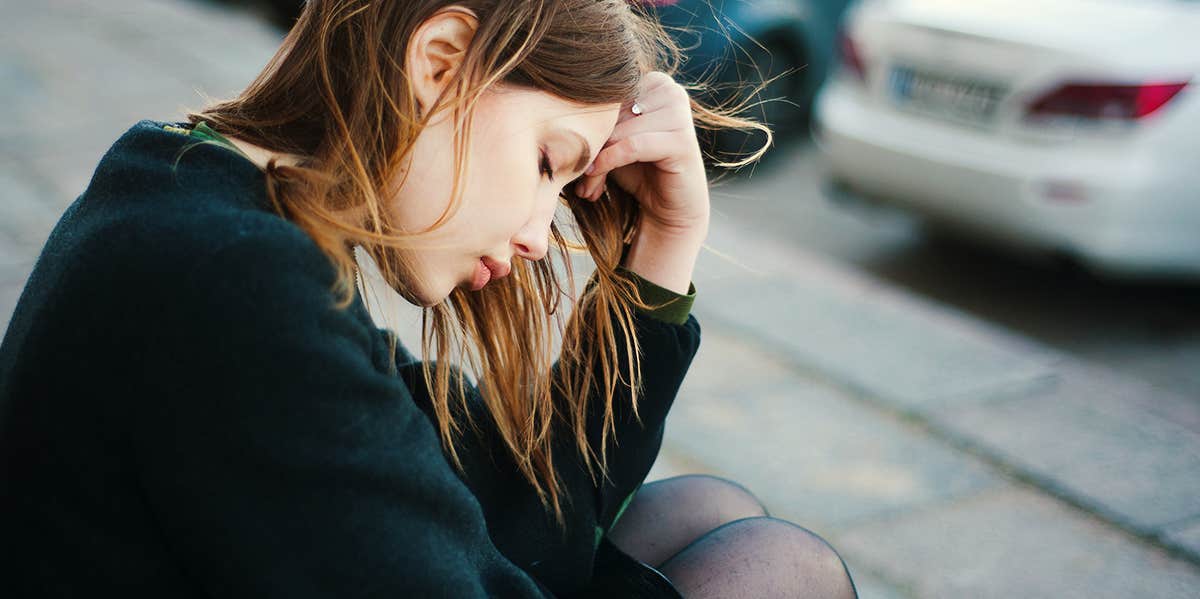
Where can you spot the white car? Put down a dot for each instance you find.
(1071, 126)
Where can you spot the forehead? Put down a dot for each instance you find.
(544, 111)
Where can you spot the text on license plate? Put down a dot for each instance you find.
(951, 96)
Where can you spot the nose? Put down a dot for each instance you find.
(532, 242)
(532, 246)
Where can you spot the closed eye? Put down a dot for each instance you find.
(544, 166)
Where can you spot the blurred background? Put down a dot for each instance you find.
(951, 321)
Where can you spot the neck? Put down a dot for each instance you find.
(261, 156)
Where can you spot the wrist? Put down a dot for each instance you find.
(665, 257)
(695, 231)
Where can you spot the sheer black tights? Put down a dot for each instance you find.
(712, 538)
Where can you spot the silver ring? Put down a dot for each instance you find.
(636, 109)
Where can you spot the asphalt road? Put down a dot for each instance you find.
(1150, 330)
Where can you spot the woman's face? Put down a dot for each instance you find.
(508, 197)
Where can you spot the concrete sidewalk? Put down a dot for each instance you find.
(943, 457)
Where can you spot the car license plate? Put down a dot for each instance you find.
(948, 96)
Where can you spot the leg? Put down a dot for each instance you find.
(666, 515)
(762, 558)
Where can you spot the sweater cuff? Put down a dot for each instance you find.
(667, 305)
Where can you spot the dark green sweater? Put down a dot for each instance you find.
(184, 413)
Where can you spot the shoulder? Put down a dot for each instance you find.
(163, 206)
(183, 232)
(158, 198)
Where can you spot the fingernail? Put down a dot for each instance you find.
(590, 169)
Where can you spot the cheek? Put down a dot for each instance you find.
(501, 193)
(500, 184)
(491, 217)
(418, 198)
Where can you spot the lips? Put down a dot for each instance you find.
(482, 275)
(486, 270)
(499, 269)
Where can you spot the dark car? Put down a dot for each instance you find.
(738, 44)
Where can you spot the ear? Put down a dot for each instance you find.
(436, 51)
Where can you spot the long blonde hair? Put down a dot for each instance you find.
(336, 95)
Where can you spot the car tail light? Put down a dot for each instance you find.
(851, 59)
(1106, 101)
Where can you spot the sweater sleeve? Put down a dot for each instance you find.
(282, 457)
(666, 304)
(518, 523)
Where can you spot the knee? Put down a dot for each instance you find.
(667, 515)
(813, 556)
(730, 500)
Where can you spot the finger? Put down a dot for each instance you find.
(626, 113)
(669, 111)
(663, 97)
(652, 80)
(648, 89)
(650, 147)
(668, 118)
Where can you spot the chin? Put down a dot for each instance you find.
(421, 298)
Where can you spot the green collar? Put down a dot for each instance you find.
(206, 133)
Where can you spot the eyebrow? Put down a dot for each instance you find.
(585, 151)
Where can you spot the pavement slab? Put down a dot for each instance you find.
(912, 354)
(673, 461)
(812, 453)
(95, 68)
(1090, 438)
(1016, 542)
(25, 218)
(1185, 535)
(871, 587)
(16, 258)
(10, 292)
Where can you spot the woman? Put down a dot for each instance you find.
(196, 400)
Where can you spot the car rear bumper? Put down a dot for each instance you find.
(1114, 206)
